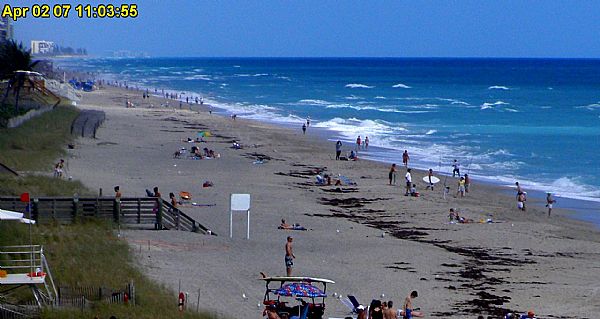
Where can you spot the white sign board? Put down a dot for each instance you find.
(239, 202)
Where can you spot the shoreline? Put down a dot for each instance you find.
(368, 238)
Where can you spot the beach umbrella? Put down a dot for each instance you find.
(300, 289)
(10, 215)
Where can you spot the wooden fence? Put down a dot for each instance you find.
(142, 211)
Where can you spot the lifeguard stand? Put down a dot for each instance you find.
(26, 265)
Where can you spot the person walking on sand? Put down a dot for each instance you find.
(366, 143)
(408, 179)
(338, 150)
(59, 168)
(289, 256)
(521, 197)
(429, 176)
(308, 121)
(549, 201)
(408, 306)
(405, 158)
(303, 128)
(455, 168)
(392, 175)
(358, 141)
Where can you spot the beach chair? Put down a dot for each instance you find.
(351, 303)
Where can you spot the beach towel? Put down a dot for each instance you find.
(346, 180)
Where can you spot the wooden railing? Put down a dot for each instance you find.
(143, 211)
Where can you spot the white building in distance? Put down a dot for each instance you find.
(42, 47)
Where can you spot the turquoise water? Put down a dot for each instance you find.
(530, 120)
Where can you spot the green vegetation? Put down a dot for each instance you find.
(38, 142)
(89, 254)
(40, 186)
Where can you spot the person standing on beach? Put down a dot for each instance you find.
(338, 150)
(390, 312)
(408, 306)
(358, 141)
(549, 201)
(308, 121)
(117, 192)
(289, 256)
(405, 158)
(461, 187)
(455, 168)
(467, 183)
(303, 128)
(366, 142)
(392, 175)
(408, 179)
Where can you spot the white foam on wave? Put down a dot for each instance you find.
(512, 110)
(313, 102)
(354, 97)
(498, 87)
(358, 86)
(380, 97)
(430, 132)
(401, 86)
(488, 105)
(590, 107)
(352, 127)
(364, 106)
(203, 77)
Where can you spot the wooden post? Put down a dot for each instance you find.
(75, 209)
(35, 212)
(54, 209)
(159, 214)
(139, 211)
(117, 211)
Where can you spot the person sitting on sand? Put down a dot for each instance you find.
(413, 191)
(521, 198)
(327, 179)
(320, 179)
(353, 156)
(408, 306)
(284, 225)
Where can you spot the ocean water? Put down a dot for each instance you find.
(534, 121)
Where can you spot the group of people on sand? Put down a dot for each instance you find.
(352, 156)
(362, 144)
(522, 198)
(386, 310)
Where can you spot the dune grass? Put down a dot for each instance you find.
(37, 143)
(89, 254)
(40, 186)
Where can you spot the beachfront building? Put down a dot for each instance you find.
(6, 29)
(42, 47)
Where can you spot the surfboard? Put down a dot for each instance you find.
(434, 179)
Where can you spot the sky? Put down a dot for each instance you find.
(323, 28)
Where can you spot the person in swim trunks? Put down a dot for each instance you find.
(289, 256)
(408, 306)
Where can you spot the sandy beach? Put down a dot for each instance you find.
(369, 238)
